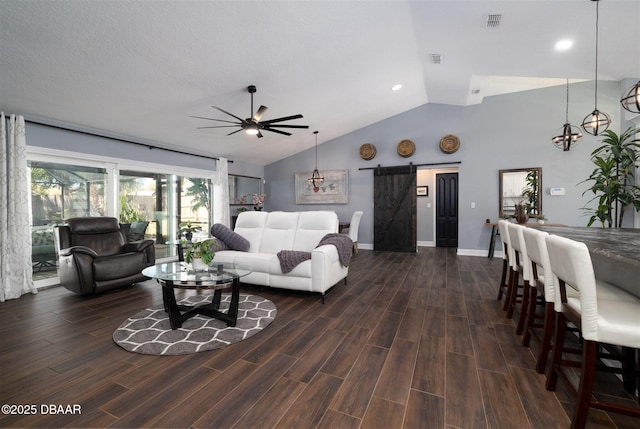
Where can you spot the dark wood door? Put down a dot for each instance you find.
(394, 209)
(447, 210)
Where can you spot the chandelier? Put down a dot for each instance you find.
(596, 122)
(316, 180)
(570, 133)
(631, 101)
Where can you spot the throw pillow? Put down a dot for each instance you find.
(233, 240)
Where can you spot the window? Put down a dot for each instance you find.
(150, 205)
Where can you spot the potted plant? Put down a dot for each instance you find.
(187, 228)
(201, 253)
(613, 181)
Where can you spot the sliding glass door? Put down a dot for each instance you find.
(149, 205)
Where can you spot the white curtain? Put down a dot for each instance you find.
(221, 193)
(15, 232)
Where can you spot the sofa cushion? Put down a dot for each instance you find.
(250, 225)
(312, 227)
(229, 238)
(279, 232)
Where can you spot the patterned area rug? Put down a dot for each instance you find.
(149, 332)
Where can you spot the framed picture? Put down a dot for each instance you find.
(422, 191)
(334, 189)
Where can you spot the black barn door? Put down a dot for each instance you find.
(447, 210)
(394, 209)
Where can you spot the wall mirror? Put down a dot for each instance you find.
(243, 185)
(521, 186)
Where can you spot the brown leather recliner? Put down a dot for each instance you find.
(94, 255)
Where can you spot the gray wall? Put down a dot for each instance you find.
(55, 138)
(507, 131)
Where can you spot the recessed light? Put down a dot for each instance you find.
(396, 87)
(563, 45)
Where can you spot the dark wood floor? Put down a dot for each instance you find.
(413, 341)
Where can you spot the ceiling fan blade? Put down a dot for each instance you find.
(286, 118)
(212, 119)
(233, 132)
(230, 114)
(277, 131)
(218, 126)
(259, 113)
(286, 126)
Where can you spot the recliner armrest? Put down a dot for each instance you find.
(137, 246)
(78, 250)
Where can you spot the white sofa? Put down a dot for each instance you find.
(271, 232)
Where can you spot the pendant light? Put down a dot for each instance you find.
(631, 101)
(570, 133)
(596, 122)
(316, 180)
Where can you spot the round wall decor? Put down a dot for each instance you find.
(406, 148)
(449, 143)
(367, 151)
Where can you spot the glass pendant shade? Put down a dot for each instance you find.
(596, 122)
(631, 101)
(316, 180)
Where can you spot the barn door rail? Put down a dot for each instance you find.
(411, 164)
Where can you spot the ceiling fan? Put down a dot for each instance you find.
(254, 125)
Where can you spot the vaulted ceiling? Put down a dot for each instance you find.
(140, 69)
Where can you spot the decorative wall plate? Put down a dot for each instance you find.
(406, 148)
(367, 151)
(449, 143)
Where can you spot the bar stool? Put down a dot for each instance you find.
(506, 263)
(522, 266)
(542, 282)
(603, 319)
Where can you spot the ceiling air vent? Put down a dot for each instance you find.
(475, 91)
(493, 20)
(435, 58)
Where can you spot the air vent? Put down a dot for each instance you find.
(493, 20)
(475, 91)
(435, 58)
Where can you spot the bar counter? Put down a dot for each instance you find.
(615, 253)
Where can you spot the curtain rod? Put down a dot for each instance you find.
(411, 164)
(150, 146)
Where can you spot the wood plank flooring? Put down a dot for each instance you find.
(412, 341)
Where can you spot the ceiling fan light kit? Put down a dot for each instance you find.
(254, 125)
(596, 122)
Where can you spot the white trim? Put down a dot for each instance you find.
(426, 244)
(473, 252)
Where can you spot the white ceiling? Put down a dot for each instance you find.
(139, 69)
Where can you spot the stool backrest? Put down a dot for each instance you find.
(536, 245)
(571, 266)
(517, 243)
(507, 251)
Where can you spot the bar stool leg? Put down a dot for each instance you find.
(545, 346)
(587, 378)
(524, 306)
(558, 343)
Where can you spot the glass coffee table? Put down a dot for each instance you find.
(180, 275)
